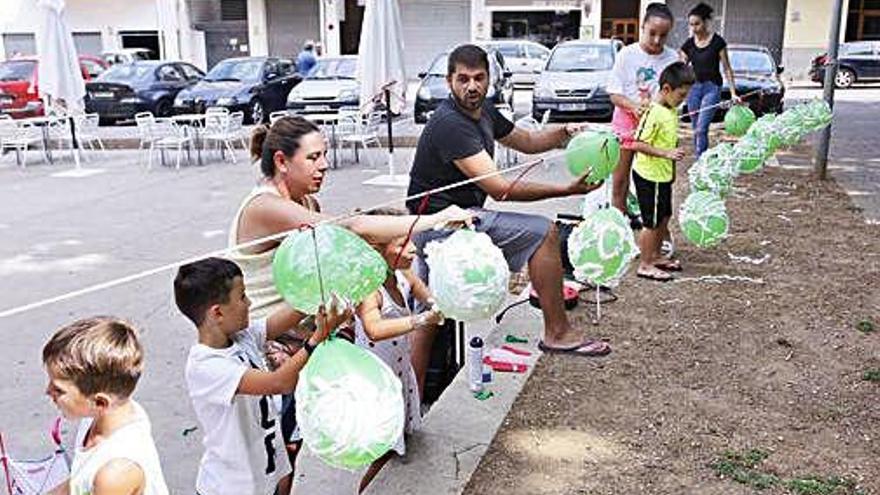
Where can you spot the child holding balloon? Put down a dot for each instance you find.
(384, 320)
(232, 391)
(657, 150)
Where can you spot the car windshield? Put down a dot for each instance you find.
(506, 49)
(751, 62)
(334, 68)
(128, 73)
(17, 70)
(236, 70)
(438, 68)
(581, 58)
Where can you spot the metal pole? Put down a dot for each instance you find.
(820, 159)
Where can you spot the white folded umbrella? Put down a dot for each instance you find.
(59, 74)
(381, 70)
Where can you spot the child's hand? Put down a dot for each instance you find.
(675, 154)
(427, 319)
(327, 320)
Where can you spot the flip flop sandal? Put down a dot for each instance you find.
(669, 265)
(654, 276)
(605, 349)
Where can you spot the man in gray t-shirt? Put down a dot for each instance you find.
(457, 143)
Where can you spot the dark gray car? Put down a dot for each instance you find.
(859, 62)
(572, 84)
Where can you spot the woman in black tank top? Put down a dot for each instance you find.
(705, 51)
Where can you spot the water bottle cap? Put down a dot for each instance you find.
(476, 342)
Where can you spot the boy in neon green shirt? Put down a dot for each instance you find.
(656, 147)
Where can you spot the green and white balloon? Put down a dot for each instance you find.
(749, 155)
(738, 119)
(468, 275)
(349, 405)
(349, 267)
(764, 130)
(598, 151)
(703, 219)
(816, 114)
(601, 247)
(714, 171)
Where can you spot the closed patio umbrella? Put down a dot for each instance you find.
(59, 74)
(381, 72)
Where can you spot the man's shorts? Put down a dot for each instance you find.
(624, 124)
(655, 200)
(518, 235)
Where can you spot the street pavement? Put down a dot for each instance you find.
(61, 232)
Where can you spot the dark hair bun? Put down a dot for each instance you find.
(702, 11)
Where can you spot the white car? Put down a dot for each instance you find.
(525, 59)
(332, 84)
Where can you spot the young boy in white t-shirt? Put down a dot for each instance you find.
(229, 384)
(94, 365)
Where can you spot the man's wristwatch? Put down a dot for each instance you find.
(309, 347)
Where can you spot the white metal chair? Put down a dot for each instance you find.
(167, 135)
(364, 131)
(87, 132)
(18, 138)
(146, 123)
(216, 110)
(236, 128)
(218, 130)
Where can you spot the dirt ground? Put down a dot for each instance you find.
(704, 372)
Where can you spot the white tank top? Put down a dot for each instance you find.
(132, 442)
(259, 285)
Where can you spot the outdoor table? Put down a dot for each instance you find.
(43, 123)
(191, 121)
(330, 119)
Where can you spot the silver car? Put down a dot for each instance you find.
(572, 84)
(525, 59)
(332, 84)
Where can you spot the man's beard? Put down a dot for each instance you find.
(465, 104)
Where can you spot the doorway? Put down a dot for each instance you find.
(141, 39)
(547, 27)
(620, 19)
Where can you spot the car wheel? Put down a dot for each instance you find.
(163, 108)
(257, 113)
(844, 78)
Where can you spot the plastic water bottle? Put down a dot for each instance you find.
(475, 364)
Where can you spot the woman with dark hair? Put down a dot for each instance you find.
(632, 85)
(292, 158)
(705, 50)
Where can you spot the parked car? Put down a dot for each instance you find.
(755, 69)
(145, 86)
(128, 55)
(19, 85)
(859, 62)
(332, 84)
(257, 86)
(572, 84)
(433, 88)
(525, 59)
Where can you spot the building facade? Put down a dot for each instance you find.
(104, 25)
(206, 31)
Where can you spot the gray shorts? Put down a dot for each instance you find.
(518, 235)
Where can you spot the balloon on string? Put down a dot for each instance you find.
(816, 114)
(349, 267)
(714, 171)
(703, 219)
(601, 247)
(349, 405)
(468, 275)
(749, 155)
(598, 151)
(789, 128)
(738, 120)
(764, 129)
